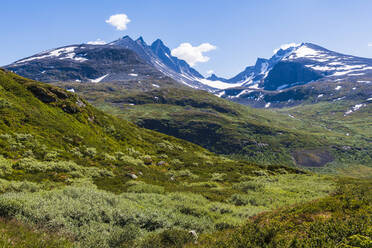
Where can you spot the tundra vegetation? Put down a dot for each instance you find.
(73, 176)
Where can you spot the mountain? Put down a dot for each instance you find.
(159, 56)
(277, 81)
(85, 63)
(300, 64)
(74, 176)
(299, 73)
(122, 60)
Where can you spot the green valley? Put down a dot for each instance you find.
(92, 180)
(317, 135)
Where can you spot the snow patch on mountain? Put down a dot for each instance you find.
(355, 108)
(97, 80)
(218, 84)
(61, 53)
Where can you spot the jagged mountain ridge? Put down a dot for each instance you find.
(300, 64)
(159, 56)
(121, 60)
(85, 63)
(135, 61)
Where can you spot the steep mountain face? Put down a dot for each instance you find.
(159, 56)
(85, 63)
(300, 64)
(287, 74)
(276, 82)
(142, 66)
(121, 60)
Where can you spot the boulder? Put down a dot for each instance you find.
(132, 175)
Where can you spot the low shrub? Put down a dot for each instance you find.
(90, 152)
(182, 174)
(5, 166)
(147, 159)
(17, 186)
(141, 187)
(4, 103)
(173, 238)
(248, 186)
(219, 177)
(129, 160)
(32, 165)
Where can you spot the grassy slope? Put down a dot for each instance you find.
(341, 220)
(262, 136)
(352, 131)
(17, 235)
(65, 173)
(67, 169)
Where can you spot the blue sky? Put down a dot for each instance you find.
(241, 30)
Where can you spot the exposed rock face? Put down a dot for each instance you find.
(288, 74)
(85, 63)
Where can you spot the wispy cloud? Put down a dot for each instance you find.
(193, 54)
(370, 44)
(119, 21)
(286, 46)
(210, 72)
(96, 42)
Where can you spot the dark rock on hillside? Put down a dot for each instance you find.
(288, 74)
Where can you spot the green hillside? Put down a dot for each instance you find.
(341, 220)
(73, 176)
(311, 135)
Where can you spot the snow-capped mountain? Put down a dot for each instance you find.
(300, 64)
(123, 59)
(133, 60)
(85, 63)
(159, 56)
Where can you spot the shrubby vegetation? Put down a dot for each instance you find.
(88, 213)
(17, 186)
(255, 135)
(14, 234)
(87, 179)
(343, 219)
(30, 165)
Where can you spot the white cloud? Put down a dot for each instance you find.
(370, 44)
(210, 72)
(119, 21)
(193, 55)
(286, 46)
(96, 42)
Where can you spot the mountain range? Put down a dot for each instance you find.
(120, 60)
(125, 145)
(300, 64)
(274, 82)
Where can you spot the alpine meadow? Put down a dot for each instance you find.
(125, 143)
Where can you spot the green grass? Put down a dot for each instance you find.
(341, 220)
(96, 218)
(255, 135)
(74, 176)
(351, 133)
(66, 128)
(14, 234)
(68, 168)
